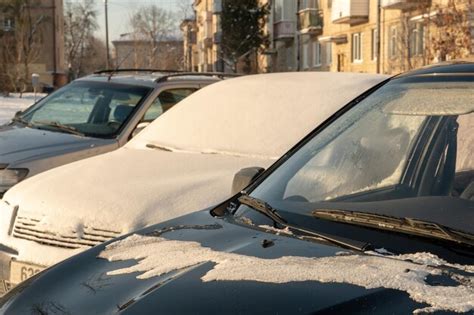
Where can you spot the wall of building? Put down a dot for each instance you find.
(135, 53)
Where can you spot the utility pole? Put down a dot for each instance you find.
(379, 34)
(55, 58)
(107, 35)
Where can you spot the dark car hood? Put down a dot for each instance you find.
(81, 285)
(20, 144)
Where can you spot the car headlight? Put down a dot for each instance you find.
(10, 177)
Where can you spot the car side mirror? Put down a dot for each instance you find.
(245, 177)
(139, 128)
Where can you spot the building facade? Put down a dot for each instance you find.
(385, 36)
(343, 35)
(46, 57)
(208, 35)
(137, 51)
(190, 52)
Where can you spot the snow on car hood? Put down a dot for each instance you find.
(123, 191)
(257, 115)
(156, 256)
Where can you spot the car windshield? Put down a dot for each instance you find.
(94, 109)
(404, 151)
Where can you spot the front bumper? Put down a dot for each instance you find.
(5, 267)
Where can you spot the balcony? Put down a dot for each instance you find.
(350, 11)
(311, 21)
(404, 4)
(284, 30)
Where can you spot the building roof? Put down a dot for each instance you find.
(140, 37)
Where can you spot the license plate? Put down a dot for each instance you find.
(20, 271)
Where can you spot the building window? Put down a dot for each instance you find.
(392, 43)
(374, 44)
(316, 54)
(7, 24)
(290, 60)
(357, 47)
(417, 40)
(305, 56)
(284, 10)
(328, 53)
(309, 4)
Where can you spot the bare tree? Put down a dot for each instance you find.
(80, 23)
(185, 9)
(451, 38)
(22, 47)
(152, 25)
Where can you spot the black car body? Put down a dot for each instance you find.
(381, 237)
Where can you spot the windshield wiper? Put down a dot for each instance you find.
(22, 120)
(272, 213)
(157, 147)
(405, 225)
(59, 126)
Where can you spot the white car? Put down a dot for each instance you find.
(182, 162)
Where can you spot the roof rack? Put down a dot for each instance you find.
(219, 75)
(136, 70)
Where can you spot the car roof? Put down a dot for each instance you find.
(150, 78)
(260, 115)
(443, 68)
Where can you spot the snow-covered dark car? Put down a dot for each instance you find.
(373, 212)
(92, 115)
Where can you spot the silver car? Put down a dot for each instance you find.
(90, 116)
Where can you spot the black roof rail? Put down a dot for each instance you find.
(104, 71)
(220, 75)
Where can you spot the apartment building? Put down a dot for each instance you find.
(203, 41)
(48, 60)
(208, 35)
(136, 50)
(190, 51)
(343, 35)
(385, 36)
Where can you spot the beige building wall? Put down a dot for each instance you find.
(52, 55)
(346, 39)
(132, 51)
(190, 52)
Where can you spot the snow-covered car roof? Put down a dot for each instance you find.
(246, 115)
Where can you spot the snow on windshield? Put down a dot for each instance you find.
(262, 115)
(157, 256)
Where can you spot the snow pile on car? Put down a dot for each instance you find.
(157, 256)
(259, 115)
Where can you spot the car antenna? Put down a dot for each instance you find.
(118, 66)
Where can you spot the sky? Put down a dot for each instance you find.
(120, 12)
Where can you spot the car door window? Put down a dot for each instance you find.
(165, 101)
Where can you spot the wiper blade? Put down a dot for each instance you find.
(158, 147)
(59, 126)
(262, 207)
(22, 120)
(405, 225)
(272, 213)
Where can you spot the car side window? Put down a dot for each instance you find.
(165, 101)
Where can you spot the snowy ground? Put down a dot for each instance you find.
(13, 103)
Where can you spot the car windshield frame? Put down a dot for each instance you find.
(141, 91)
(251, 189)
